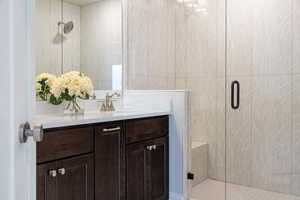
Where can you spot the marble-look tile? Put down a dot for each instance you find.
(296, 126)
(138, 31)
(201, 44)
(240, 33)
(216, 190)
(180, 40)
(203, 91)
(272, 37)
(221, 37)
(239, 134)
(199, 163)
(151, 43)
(48, 49)
(260, 39)
(71, 46)
(295, 184)
(216, 139)
(138, 83)
(180, 83)
(296, 36)
(203, 106)
(271, 129)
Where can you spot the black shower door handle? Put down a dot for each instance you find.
(235, 87)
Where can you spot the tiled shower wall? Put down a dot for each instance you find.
(151, 44)
(170, 48)
(263, 54)
(49, 51)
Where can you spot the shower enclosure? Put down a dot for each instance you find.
(241, 61)
(244, 56)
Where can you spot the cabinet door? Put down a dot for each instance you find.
(46, 181)
(136, 166)
(147, 170)
(75, 179)
(109, 162)
(158, 170)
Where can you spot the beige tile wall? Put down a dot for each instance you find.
(263, 40)
(49, 51)
(262, 54)
(169, 48)
(151, 44)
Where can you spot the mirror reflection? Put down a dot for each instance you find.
(81, 35)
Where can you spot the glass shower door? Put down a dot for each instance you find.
(263, 104)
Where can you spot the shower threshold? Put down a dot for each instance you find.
(215, 190)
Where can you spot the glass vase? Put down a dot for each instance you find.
(72, 107)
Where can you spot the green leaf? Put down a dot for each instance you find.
(55, 101)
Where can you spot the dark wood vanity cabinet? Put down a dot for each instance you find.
(109, 162)
(147, 170)
(147, 159)
(123, 160)
(68, 179)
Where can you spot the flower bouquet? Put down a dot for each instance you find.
(65, 88)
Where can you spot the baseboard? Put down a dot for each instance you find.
(176, 196)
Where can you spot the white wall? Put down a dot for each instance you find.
(6, 154)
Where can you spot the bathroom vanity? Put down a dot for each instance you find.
(111, 160)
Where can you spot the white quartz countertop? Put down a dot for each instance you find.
(63, 120)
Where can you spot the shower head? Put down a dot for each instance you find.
(68, 27)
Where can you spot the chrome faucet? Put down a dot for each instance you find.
(108, 104)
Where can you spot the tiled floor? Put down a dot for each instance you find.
(215, 190)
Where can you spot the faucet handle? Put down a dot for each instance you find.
(116, 94)
(111, 106)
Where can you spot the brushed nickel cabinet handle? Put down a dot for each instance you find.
(62, 171)
(106, 130)
(149, 148)
(154, 147)
(53, 173)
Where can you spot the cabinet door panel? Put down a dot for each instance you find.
(147, 170)
(136, 155)
(63, 143)
(109, 162)
(158, 178)
(77, 182)
(138, 130)
(46, 184)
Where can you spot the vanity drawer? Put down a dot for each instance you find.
(64, 143)
(147, 128)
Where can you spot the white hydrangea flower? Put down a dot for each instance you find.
(45, 76)
(58, 87)
(76, 83)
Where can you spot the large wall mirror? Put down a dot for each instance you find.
(81, 35)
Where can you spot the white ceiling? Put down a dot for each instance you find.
(81, 2)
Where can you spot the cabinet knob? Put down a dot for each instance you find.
(53, 173)
(154, 147)
(62, 171)
(149, 148)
